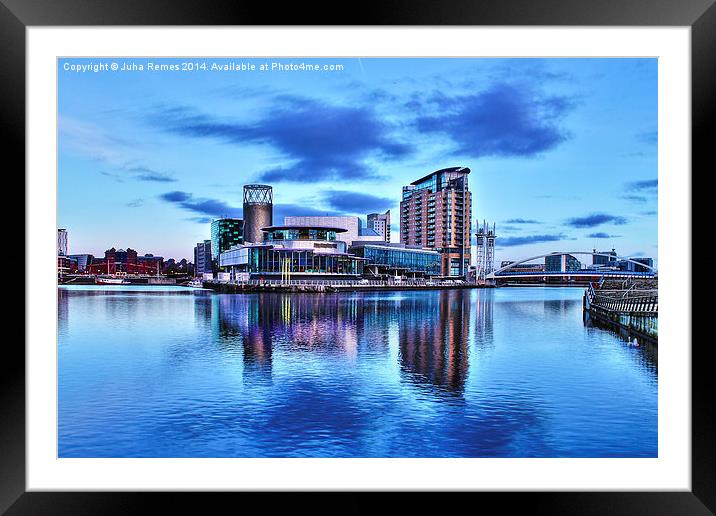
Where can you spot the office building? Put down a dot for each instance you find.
(603, 260)
(149, 264)
(353, 226)
(225, 234)
(561, 263)
(380, 223)
(436, 213)
(389, 260)
(61, 242)
(84, 261)
(202, 257)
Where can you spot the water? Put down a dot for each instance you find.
(510, 372)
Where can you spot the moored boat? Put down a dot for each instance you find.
(104, 280)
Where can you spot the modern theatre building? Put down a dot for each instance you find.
(303, 252)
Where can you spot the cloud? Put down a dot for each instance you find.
(522, 221)
(213, 207)
(648, 186)
(356, 202)
(136, 203)
(147, 174)
(321, 141)
(216, 208)
(651, 137)
(633, 198)
(524, 240)
(601, 234)
(595, 219)
(504, 120)
(649, 213)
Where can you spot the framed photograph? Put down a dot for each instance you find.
(432, 250)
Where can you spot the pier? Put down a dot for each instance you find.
(631, 304)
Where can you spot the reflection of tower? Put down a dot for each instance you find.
(258, 211)
(485, 249)
(433, 336)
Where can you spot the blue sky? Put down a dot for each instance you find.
(563, 152)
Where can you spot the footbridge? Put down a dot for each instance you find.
(505, 272)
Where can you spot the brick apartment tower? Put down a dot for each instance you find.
(436, 213)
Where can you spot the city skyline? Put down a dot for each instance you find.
(562, 151)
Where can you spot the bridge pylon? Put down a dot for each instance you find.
(485, 250)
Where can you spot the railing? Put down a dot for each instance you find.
(577, 273)
(348, 283)
(645, 304)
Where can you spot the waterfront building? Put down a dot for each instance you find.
(61, 242)
(436, 213)
(225, 234)
(258, 212)
(561, 263)
(202, 257)
(353, 226)
(149, 264)
(646, 261)
(386, 259)
(293, 252)
(84, 261)
(603, 260)
(380, 223)
(524, 267)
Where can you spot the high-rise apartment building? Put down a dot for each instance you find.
(380, 223)
(436, 213)
(202, 257)
(61, 242)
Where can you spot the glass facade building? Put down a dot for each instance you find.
(225, 234)
(301, 251)
(561, 263)
(394, 258)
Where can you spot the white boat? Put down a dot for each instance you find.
(195, 283)
(104, 280)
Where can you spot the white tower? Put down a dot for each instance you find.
(485, 249)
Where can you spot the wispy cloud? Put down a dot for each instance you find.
(595, 219)
(647, 186)
(634, 198)
(651, 137)
(601, 234)
(531, 239)
(204, 206)
(522, 221)
(147, 174)
(136, 203)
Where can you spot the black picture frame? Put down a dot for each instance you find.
(700, 15)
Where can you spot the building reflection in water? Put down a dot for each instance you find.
(433, 340)
(264, 324)
(484, 300)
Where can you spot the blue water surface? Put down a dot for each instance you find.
(509, 372)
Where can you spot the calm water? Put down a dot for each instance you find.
(510, 372)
